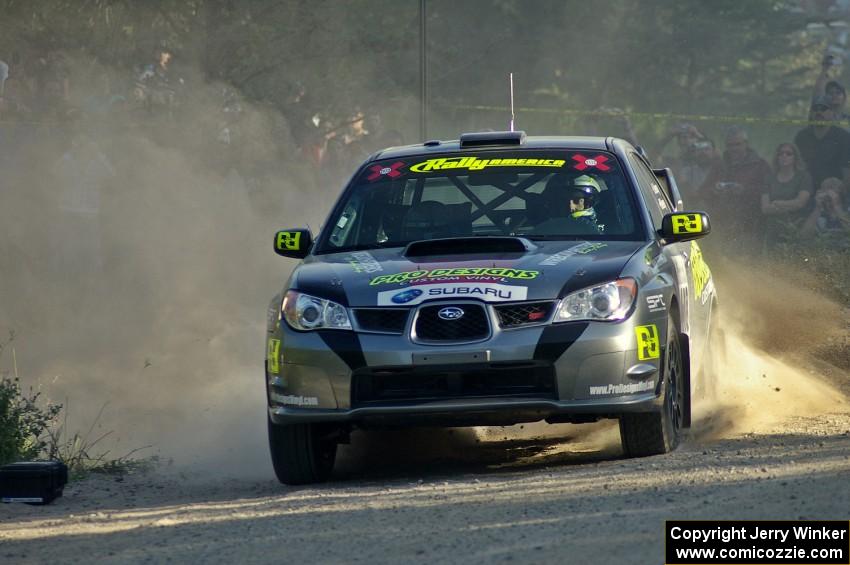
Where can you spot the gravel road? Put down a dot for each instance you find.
(478, 499)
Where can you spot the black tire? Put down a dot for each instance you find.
(654, 433)
(301, 453)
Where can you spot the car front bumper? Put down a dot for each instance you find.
(586, 370)
(472, 411)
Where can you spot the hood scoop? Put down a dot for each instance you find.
(467, 245)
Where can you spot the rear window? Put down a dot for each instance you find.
(532, 194)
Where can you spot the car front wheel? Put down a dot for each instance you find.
(301, 453)
(654, 433)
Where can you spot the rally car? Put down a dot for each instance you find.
(492, 280)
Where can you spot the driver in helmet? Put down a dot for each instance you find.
(570, 202)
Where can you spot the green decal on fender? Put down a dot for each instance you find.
(289, 240)
(647, 342)
(699, 270)
(687, 223)
(273, 356)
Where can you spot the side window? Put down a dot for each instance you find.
(341, 231)
(651, 191)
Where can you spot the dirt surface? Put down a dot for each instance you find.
(473, 498)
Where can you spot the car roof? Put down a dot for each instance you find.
(527, 143)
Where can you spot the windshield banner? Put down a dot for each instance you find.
(476, 164)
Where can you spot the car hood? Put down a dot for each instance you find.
(386, 277)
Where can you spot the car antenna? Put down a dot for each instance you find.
(511, 79)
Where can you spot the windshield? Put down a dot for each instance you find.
(534, 194)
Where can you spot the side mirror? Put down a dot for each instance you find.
(293, 243)
(684, 226)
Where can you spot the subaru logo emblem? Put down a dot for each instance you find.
(450, 313)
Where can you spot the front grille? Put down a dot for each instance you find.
(420, 384)
(513, 315)
(386, 320)
(472, 325)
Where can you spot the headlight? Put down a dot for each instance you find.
(305, 312)
(610, 302)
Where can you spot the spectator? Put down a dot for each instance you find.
(694, 170)
(837, 97)
(82, 176)
(156, 84)
(686, 136)
(732, 193)
(788, 193)
(832, 90)
(17, 89)
(830, 215)
(825, 148)
(4, 74)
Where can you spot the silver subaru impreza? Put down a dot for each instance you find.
(492, 280)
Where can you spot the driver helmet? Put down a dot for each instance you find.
(586, 187)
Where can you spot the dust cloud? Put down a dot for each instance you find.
(154, 313)
(765, 366)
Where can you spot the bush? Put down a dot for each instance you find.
(24, 422)
(31, 429)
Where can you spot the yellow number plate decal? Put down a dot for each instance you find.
(289, 240)
(273, 355)
(647, 342)
(687, 223)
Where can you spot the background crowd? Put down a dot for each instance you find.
(799, 190)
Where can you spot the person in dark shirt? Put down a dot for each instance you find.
(732, 194)
(837, 96)
(832, 90)
(788, 195)
(825, 148)
(692, 174)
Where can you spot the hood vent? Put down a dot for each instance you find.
(467, 245)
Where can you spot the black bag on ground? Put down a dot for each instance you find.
(35, 482)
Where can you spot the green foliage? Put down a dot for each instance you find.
(724, 57)
(30, 429)
(24, 422)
